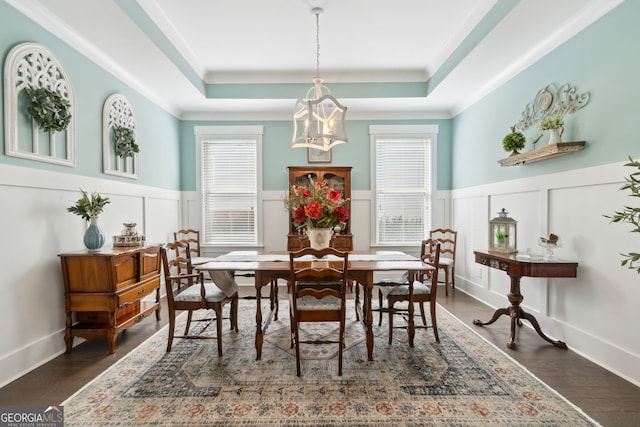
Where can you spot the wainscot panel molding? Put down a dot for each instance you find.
(37, 224)
(595, 313)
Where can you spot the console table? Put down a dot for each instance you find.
(517, 267)
(105, 290)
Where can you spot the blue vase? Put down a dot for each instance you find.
(93, 237)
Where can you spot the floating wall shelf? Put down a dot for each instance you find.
(543, 153)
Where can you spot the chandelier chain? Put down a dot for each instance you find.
(317, 44)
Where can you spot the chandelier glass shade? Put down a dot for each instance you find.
(318, 119)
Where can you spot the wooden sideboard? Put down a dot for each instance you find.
(338, 177)
(105, 290)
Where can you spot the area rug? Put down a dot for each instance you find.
(462, 381)
(281, 338)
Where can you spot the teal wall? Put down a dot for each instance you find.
(157, 130)
(277, 153)
(603, 59)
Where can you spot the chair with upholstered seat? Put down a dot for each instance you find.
(419, 290)
(317, 293)
(448, 241)
(187, 291)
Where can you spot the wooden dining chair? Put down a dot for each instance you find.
(187, 291)
(420, 290)
(192, 237)
(447, 238)
(317, 293)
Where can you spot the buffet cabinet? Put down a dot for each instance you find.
(104, 291)
(337, 177)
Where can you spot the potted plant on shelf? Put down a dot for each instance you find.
(630, 214)
(89, 207)
(555, 125)
(514, 141)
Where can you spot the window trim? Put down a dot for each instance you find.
(216, 132)
(399, 131)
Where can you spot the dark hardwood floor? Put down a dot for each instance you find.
(607, 398)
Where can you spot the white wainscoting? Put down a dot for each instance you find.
(595, 313)
(36, 227)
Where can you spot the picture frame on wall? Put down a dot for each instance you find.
(318, 156)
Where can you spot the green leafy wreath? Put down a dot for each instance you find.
(49, 109)
(125, 141)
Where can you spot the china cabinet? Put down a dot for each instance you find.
(338, 177)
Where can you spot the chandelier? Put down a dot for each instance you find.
(318, 119)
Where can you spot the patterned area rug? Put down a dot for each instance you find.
(463, 381)
(353, 335)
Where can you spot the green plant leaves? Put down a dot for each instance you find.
(514, 141)
(49, 109)
(125, 141)
(630, 214)
(89, 206)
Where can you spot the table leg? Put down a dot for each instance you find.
(68, 338)
(273, 299)
(356, 285)
(112, 333)
(368, 316)
(259, 335)
(499, 312)
(516, 313)
(536, 326)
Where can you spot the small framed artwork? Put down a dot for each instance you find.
(318, 156)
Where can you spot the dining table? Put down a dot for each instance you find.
(268, 268)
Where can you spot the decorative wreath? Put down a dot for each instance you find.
(125, 142)
(49, 109)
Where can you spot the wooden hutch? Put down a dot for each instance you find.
(338, 177)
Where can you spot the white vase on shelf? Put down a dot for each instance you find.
(555, 135)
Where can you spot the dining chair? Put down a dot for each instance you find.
(317, 293)
(447, 238)
(187, 291)
(192, 237)
(420, 290)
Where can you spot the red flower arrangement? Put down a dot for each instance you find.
(318, 206)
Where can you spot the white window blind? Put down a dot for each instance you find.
(403, 189)
(229, 190)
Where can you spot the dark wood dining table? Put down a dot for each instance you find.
(268, 268)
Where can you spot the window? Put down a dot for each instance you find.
(229, 185)
(402, 180)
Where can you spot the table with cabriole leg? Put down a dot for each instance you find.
(516, 268)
